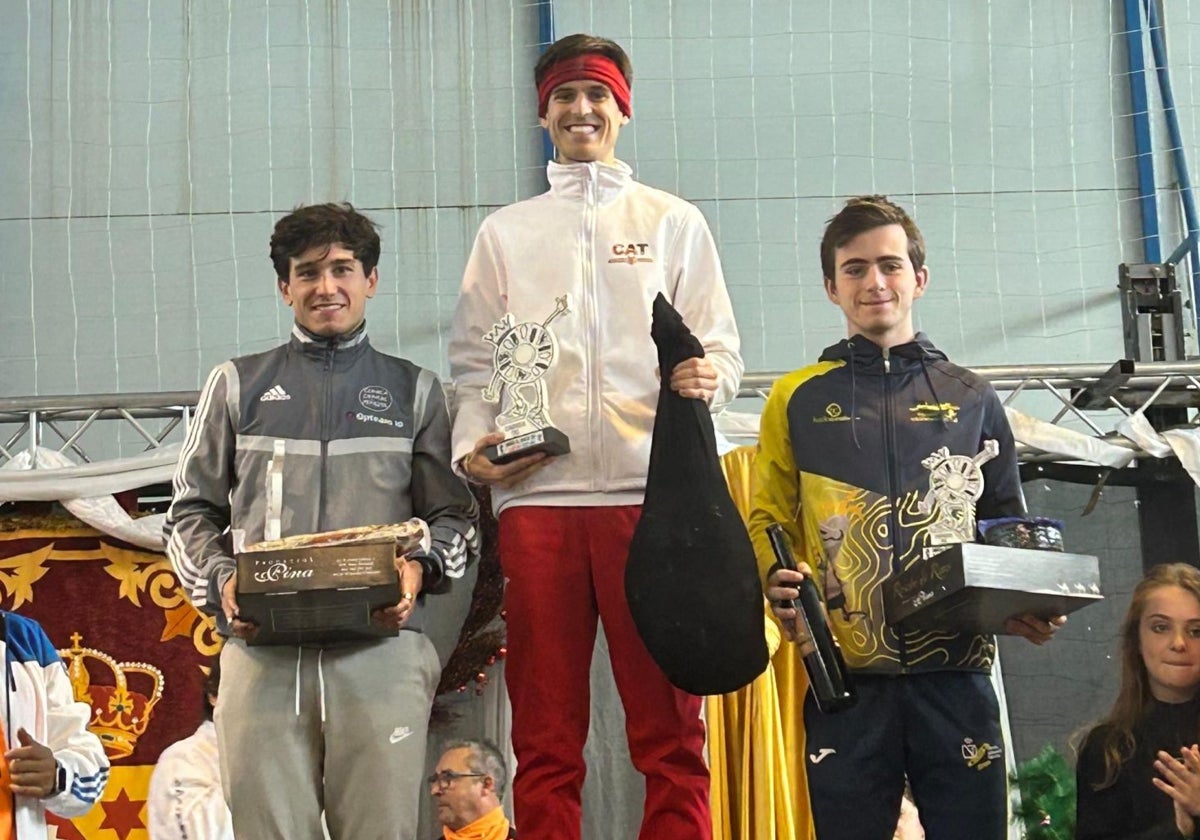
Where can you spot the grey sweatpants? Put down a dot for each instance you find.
(339, 729)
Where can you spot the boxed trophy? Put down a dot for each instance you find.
(319, 588)
(975, 588)
(959, 584)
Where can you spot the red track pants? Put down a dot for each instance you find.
(564, 567)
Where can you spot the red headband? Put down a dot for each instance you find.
(585, 66)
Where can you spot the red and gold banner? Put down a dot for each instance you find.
(135, 648)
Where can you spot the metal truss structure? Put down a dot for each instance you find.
(1082, 396)
(1086, 397)
(62, 423)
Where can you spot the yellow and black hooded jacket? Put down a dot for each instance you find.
(839, 465)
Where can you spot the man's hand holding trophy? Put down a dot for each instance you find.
(523, 353)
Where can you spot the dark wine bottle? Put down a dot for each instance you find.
(832, 686)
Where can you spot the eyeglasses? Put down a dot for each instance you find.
(443, 780)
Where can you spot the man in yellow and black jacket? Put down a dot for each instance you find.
(839, 465)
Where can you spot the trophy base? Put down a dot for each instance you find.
(549, 440)
(976, 588)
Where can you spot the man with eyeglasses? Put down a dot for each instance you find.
(466, 786)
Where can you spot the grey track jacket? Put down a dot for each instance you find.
(366, 442)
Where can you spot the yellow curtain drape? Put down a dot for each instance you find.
(759, 791)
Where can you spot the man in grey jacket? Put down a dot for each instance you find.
(367, 442)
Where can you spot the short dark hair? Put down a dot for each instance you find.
(324, 224)
(861, 214)
(482, 757)
(212, 684)
(581, 44)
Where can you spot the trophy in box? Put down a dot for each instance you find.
(524, 352)
(959, 584)
(318, 588)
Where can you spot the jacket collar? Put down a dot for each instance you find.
(312, 344)
(571, 180)
(867, 355)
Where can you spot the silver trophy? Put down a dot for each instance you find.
(523, 353)
(960, 585)
(955, 485)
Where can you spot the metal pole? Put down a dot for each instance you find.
(1143, 144)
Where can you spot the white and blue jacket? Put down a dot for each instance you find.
(39, 699)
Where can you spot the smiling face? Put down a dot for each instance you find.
(875, 284)
(327, 289)
(584, 120)
(1169, 639)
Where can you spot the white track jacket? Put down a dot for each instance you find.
(39, 698)
(611, 245)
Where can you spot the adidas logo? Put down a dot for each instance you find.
(275, 392)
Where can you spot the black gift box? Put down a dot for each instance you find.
(975, 588)
(318, 594)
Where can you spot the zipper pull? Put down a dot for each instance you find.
(593, 181)
(887, 360)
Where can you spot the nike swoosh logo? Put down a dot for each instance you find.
(399, 734)
(821, 754)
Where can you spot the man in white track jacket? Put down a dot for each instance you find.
(52, 763)
(186, 799)
(608, 245)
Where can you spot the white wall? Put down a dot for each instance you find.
(147, 148)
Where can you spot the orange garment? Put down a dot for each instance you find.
(6, 795)
(491, 826)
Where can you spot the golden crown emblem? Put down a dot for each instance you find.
(119, 713)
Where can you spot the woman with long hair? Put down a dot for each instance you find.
(1139, 768)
